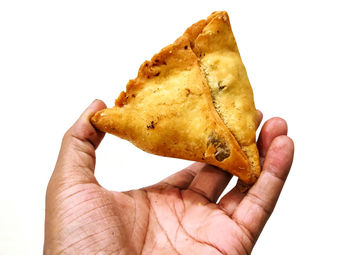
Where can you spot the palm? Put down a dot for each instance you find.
(185, 222)
(179, 215)
(160, 219)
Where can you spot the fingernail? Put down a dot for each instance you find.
(94, 101)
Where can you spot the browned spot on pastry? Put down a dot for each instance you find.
(157, 74)
(221, 86)
(222, 150)
(188, 91)
(186, 47)
(151, 125)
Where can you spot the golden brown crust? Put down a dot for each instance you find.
(168, 110)
(220, 61)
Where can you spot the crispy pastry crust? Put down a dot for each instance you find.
(216, 48)
(168, 109)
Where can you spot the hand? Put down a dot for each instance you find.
(179, 215)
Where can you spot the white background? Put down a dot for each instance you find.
(56, 57)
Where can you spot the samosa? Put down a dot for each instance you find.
(193, 101)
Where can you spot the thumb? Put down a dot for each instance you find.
(76, 160)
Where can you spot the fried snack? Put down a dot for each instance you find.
(176, 108)
(215, 46)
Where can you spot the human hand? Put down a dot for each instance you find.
(179, 215)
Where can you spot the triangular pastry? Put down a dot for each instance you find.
(215, 46)
(192, 101)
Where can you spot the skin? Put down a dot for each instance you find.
(179, 215)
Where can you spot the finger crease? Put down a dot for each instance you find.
(199, 192)
(273, 174)
(255, 199)
(86, 139)
(79, 147)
